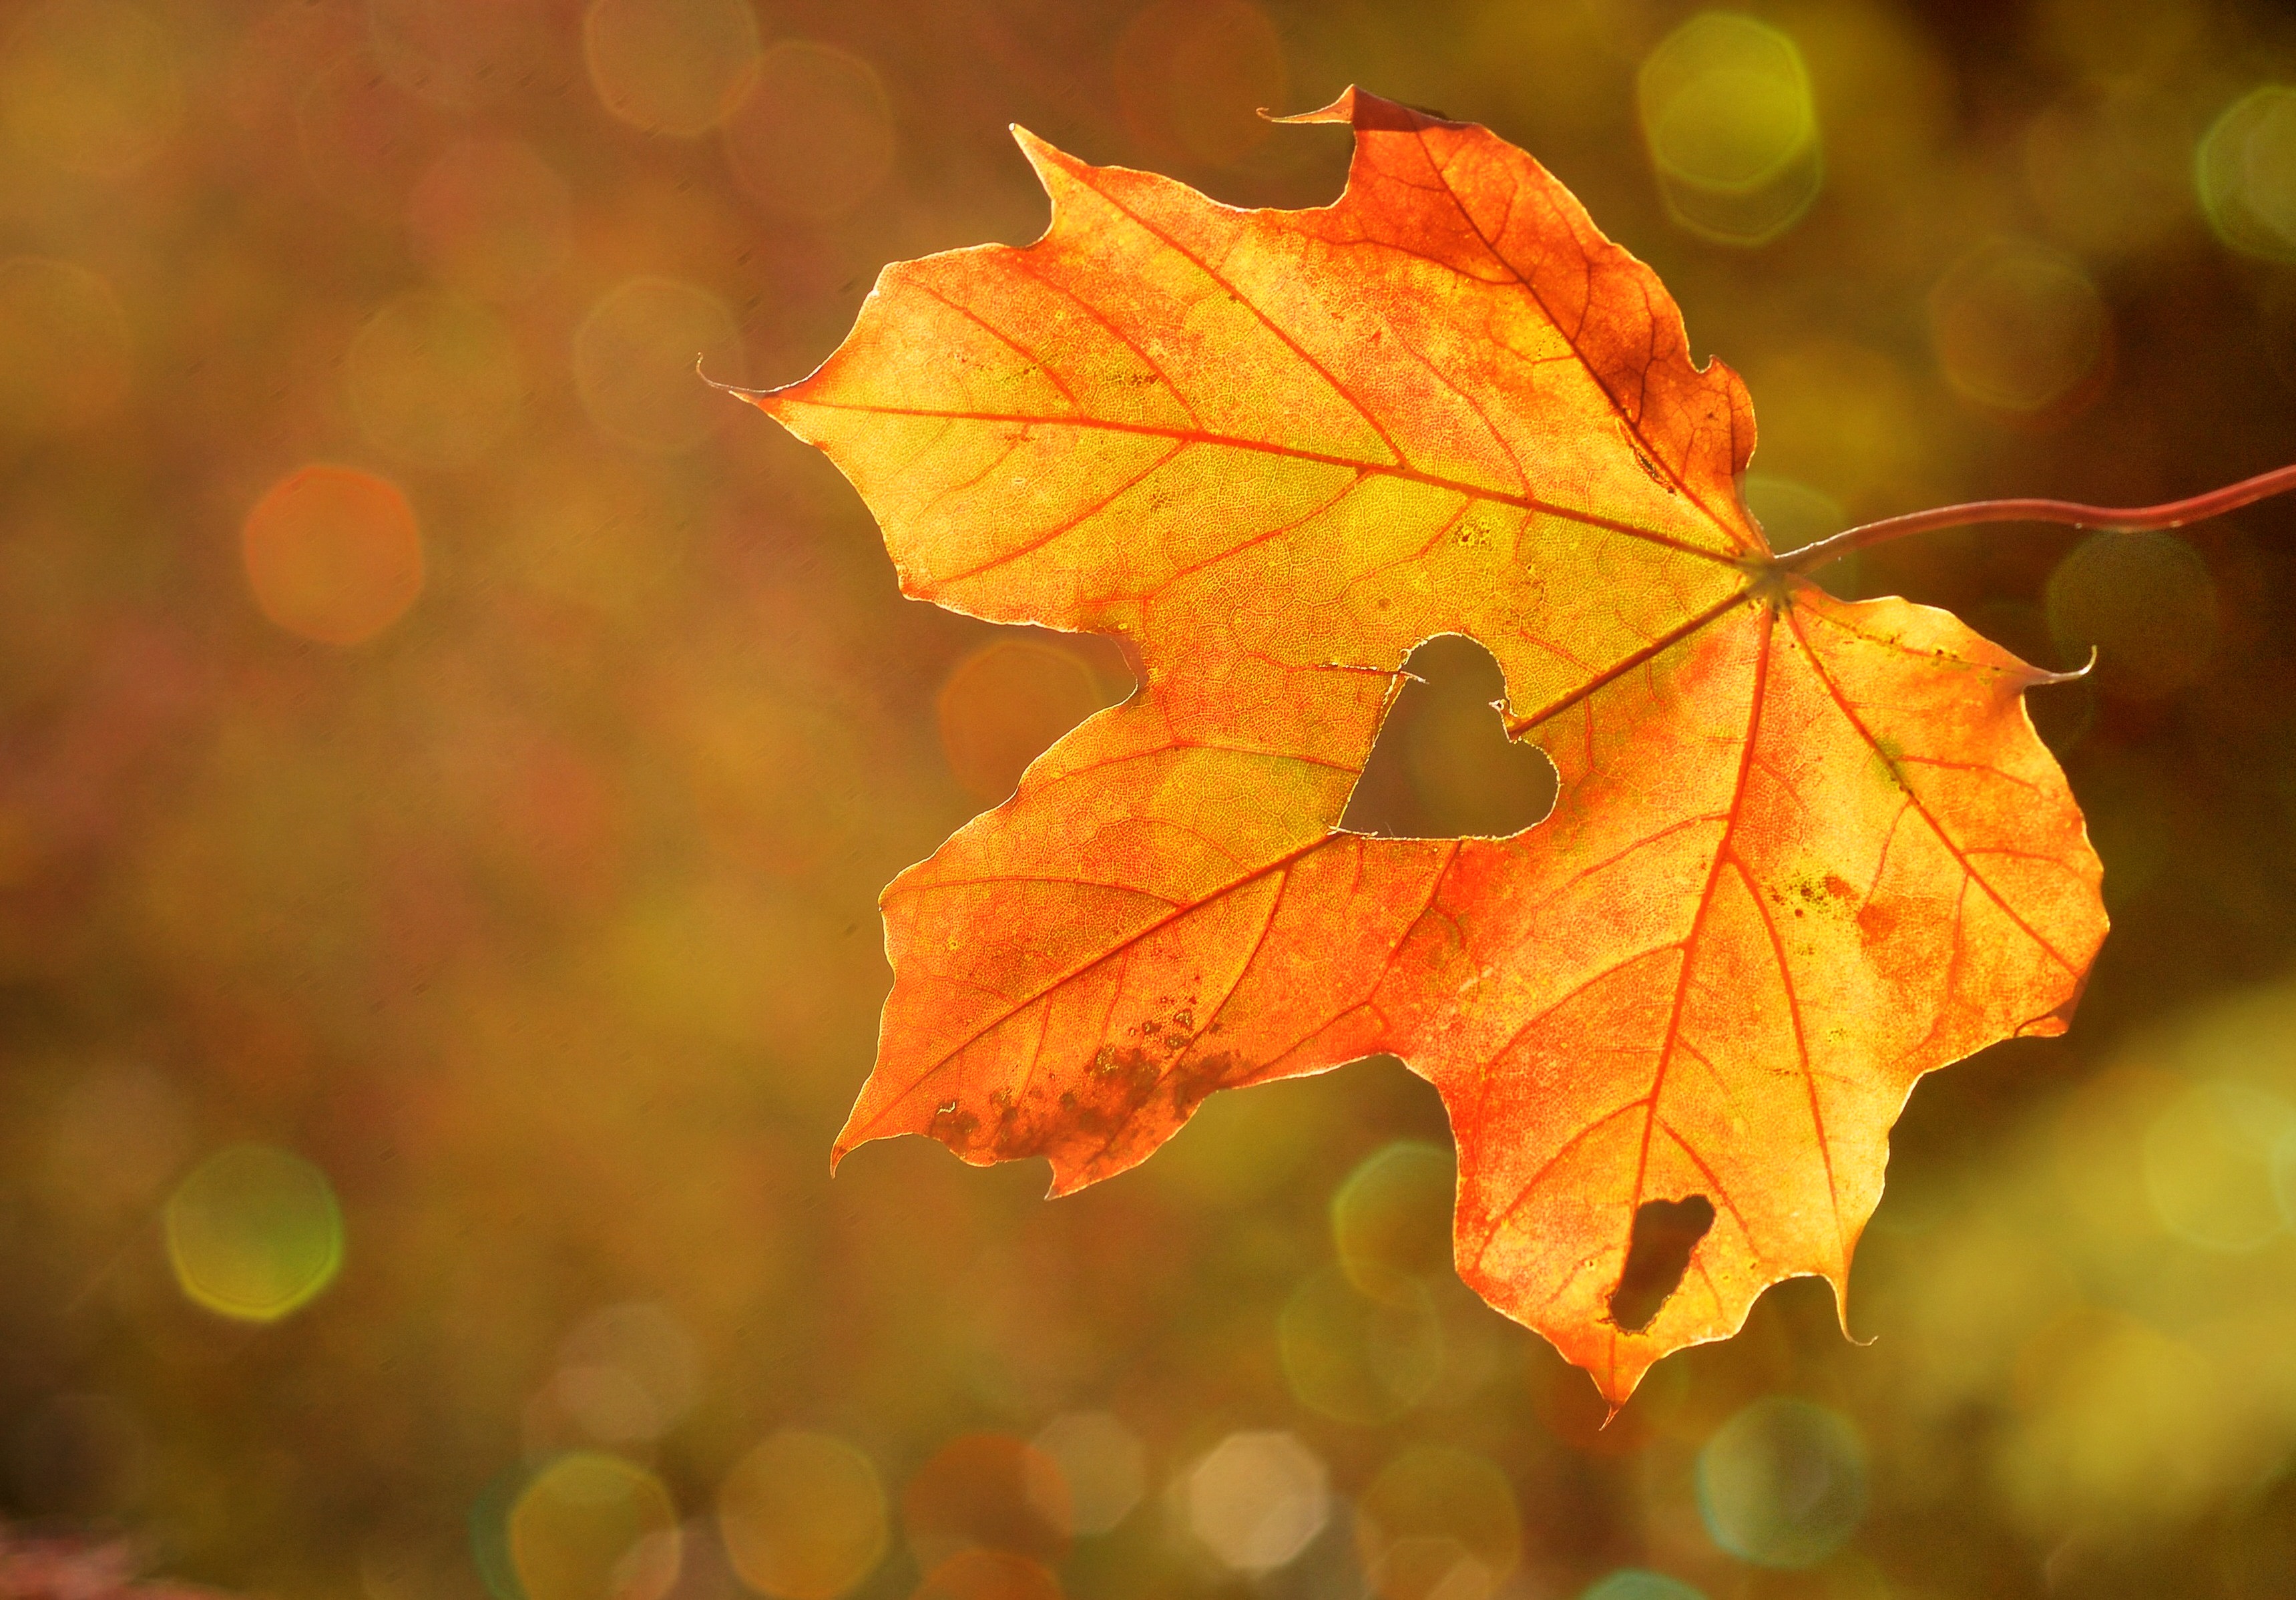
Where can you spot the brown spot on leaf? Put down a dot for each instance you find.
(1876, 921)
(1129, 1103)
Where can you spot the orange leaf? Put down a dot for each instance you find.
(1805, 850)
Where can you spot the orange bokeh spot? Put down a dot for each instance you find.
(975, 1494)
(988, 1575)
(332, 553)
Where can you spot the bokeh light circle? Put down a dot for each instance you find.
(1256, 1499)
(627, 1372)
(669, 66)
(2017, 326)
(434, 379)
(254, 1232)
(1392, 1215)
(802, 1516)
(1004, 705)
(1100, 1471)
(2119, 1423)
(491, 217)
(2244, 171)
(1637, 1583)
(591, 1526)
(812, 135)
(633, 363)
(2209, 1160)
(332, 553)
(1360, 1354)
(2144, 602)
(1782, 1483)
(93, 86)
(1437, 1523)
(988, 1575)
(63, 345)
(1731, 123)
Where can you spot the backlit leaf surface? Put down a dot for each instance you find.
(1805, 850)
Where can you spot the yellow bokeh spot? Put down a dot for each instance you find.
(89, 85)
(63, 345)
(1438, 1523)
(1731, 121)
(2245, 173)
(1782, 1483)
(1255, 1500)
(812, 135)
(2017, 326)
(1392, 1215)
(1360, 1354)
(802, 1517)
(332, 553)
(669, 66)
(2120, 1424)
(633, 363)
(1085, 1472)
(2209, 1165)
(592, 1526)
(1004, 705)
(254, 1232)
(434, 379)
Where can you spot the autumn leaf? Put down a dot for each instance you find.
(1804, 850)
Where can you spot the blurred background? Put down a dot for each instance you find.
(448, 756)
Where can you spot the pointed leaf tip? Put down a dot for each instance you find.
(1044, 157)
(1342, 110)
(1370, 113)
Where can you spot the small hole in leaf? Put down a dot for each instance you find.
(1666, 1231)
(1443, 767)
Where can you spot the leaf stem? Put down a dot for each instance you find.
(2175, 514)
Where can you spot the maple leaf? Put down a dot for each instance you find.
(1804, 850)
